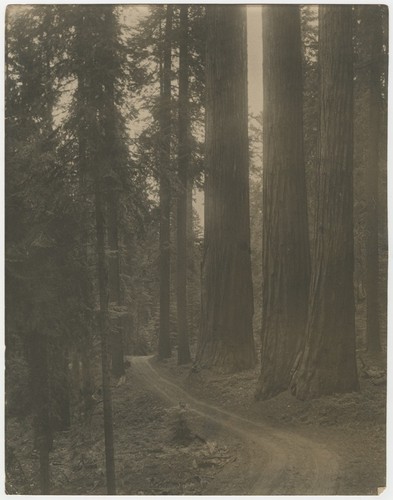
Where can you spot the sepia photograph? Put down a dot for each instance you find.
(196, 249)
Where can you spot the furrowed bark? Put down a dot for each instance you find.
(226, 339)
(328, 363)
(286, 254)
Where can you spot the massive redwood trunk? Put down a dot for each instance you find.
(328, 363)
(371, 17)
(115, 298)
(182, 202)
(286, 256)
(164, 345)
(226, 337)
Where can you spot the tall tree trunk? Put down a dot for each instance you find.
(86, 291)
(191, 264)
(85, 345)
(286, 254)
(373, 22)
(114, 188)
(117, 342)
(164, 346)
(183, 162)
(226, 338)
(104, 327)
(92, 105)
(328, 363)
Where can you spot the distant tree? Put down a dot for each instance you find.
(328, 362)
(285, 252)
(226, 338)
(147, 40)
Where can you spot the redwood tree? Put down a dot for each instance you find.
(328, 362)
(226, 338)
(285, 255)
(370, 75)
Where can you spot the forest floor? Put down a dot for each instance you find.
(350, 428)
(181, 431)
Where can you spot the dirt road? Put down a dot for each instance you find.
(278, 462)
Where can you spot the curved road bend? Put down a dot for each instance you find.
(283, 462)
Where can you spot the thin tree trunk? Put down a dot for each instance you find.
(114, 286)
(114, 187)
(91, 102)
(104, 327)
(85, 346)
(286, 254)
(226, 338)
(164, 346)
(328, 363)
(183, 161)
(191, 265)
(87, 379)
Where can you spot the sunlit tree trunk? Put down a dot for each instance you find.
(285, 256)
(226, 338)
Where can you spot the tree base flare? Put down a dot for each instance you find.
(226, 359)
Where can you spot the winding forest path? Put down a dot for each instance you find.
(279, 462)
